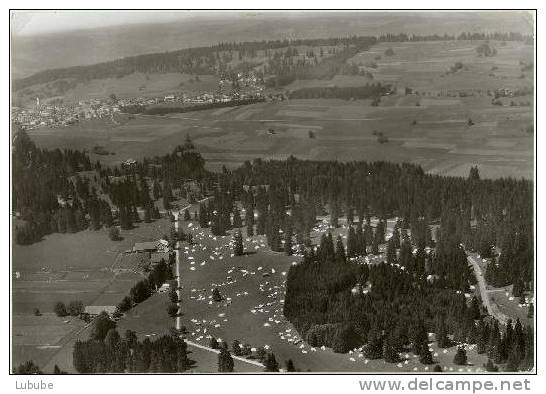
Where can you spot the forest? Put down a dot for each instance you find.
(346, 93)
(107, 352)
(50, 196)
(483, 215)
(163, 110)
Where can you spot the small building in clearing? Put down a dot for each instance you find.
(145, 247)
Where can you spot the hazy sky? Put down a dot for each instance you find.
(28, 23)
(39, 22)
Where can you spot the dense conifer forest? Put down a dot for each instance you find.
(114, 354)
(354, 93)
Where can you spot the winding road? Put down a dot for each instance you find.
(492, 308)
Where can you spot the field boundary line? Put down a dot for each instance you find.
(245, 360)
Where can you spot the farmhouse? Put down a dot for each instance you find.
(141, 247)
(95, 310)
(152, 246)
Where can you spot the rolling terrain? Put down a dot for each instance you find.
(449, 121)
(446, 107)
(88, 46)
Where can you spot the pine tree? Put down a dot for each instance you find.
(426, 357)
(147, 215)
(166, 202)
(374, 348)
(441, 334)
(490, 367)
(237, 221)
(271, 364)
(340, 250)
(225, 361)
(390, 354)
(216, 296)
(352, 244)
(460, 356)
(375, 246)
(213, 343)
(391, 252)
(238, 248)
(249, 222)
(288, 242)
(419, 337)
(514, 360)
(290, 366)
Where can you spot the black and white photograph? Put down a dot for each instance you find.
(272, 191)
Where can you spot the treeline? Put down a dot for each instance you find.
(346, 93)
(200, 60)
(478, 213)
(143, 289)
(163, 110)
(475, 36)
(41, 177)
(284, 69)
(114, 354)
(213, 59)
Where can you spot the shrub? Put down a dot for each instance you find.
(60, 309)
(172, 310)
(75, 308)
(114, 234)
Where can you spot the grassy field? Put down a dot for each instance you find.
(431, 129)
(66, 267)
(435, 134)
(425, 66)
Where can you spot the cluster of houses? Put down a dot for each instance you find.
(60, 115)
(55, 114)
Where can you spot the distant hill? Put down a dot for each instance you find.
(31, 54)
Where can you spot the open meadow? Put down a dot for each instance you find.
(436, 134)
(86, 266)
(428, 67)
(446, 121)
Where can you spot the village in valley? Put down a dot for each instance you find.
(299, 205)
